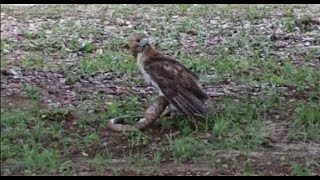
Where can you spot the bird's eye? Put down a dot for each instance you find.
(138, 40)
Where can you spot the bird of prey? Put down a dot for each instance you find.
(178, 84)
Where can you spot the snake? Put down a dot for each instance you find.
(152, 113)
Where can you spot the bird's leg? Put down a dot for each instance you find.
(195, 125)
(174, 112)
(166, 113)
(171, 112)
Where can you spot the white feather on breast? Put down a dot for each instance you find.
(146, 76)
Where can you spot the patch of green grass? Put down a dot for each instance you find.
(312, 53)
(127, 106)
(122, 10)
(67, 72)
(157, 157)
(255, 13)
(247, 169)
(226, 64)
(300, 170)
(90, 139)
(35, 160)
(24, 143)
(188, 25)
(14, 127)
(37, 61)
(33, 93)
(99, 163)
(46, 11)
(65, 168)
(140, 162)
(115, 44)
(3, 63)
(305, 23)
(26, 34)
(184, 7)
(289, 24)
(184, 125)
(237, 125)
(210, 10)
(271, 72)
(6, 46)
(306, 123)
(108, 62)
(301, 77)
(185, 148)
(137, 138)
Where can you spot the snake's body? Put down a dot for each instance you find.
(151, 115)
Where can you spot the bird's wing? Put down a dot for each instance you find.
(178, 84)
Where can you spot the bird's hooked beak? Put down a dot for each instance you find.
(143, 43)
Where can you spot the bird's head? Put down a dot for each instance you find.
(143, 44)
(138, 42)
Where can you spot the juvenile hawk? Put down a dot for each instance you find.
(179, 85)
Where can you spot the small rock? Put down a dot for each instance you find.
(279, 31)
(225, 165)
(307, 43)
(205, 136)
(58, 104)
(120, 21)
(213, 22)
(308, 39)
(6, 51)
(11, 72)
(109, 103)
(62, 80)
(99, 51)
(246, 26)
